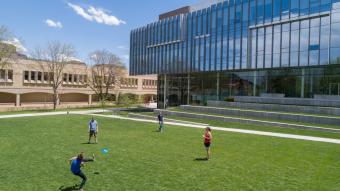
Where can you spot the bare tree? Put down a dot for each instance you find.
(7, 51)
(53, 59)
(105, 71)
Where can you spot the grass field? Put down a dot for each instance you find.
(34, 153)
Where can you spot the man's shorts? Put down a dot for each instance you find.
(93, 133)
(207, 145)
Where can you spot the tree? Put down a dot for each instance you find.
(6, 50)
(105, 71)
(53, 59)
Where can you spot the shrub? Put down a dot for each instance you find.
(229, 99)
(128, 99)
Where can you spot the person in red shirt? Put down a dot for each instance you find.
(207, 141)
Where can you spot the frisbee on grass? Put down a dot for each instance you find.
(105, 150)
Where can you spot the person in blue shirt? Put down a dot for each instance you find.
(93, 130)
(160, 121)
(76, 164)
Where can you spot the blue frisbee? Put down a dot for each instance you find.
(105, 151)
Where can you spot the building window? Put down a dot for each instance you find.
(40, 76)
(76, 78)
(70, 77)
(26, 76)
(10, 75)
(46, 78)
(2, 75)
(33, 73)
(65, 78)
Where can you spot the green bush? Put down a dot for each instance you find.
(128, 99)
(229, 99)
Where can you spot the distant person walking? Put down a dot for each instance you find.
(207, 141)
(78, 162)
(160, 122)
(166, 103)
(93, 130)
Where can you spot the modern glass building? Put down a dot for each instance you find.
(241, 48)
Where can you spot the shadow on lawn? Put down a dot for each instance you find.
(87, 143)
(201, 159)
(70, 188)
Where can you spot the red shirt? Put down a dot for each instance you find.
(207, 137)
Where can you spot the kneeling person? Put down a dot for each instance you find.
(76, 163)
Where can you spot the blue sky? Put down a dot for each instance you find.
(88, 25)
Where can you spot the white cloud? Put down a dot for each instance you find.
(74, 59)
(122, 47)
(54, 24)
(98, 15)
(16, 42)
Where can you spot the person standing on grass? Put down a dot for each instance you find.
(78, 162)
(160, 122)
(207, 141)
(93, 130)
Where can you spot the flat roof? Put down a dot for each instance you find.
(175, 12)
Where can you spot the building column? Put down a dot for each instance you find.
(255, 83)
(188, 97)
(303, 72)
(90, 99)
(164, 93)
(6, 75)
(218, 87)
(17, 101)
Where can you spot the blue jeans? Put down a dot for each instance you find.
(161, 126)
(83, 177)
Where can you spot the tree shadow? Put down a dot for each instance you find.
(69, 188)
(201, 159)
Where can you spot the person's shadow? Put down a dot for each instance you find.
(200, 159)
(70, 188)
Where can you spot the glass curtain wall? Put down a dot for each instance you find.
(240, 34)
(243, 47)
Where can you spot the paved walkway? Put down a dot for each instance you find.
(252, 132)
(52, 113)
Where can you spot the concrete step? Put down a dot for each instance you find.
(233, 119)
(267, 115)
(289, 101)
(332, 111)
(140, 116)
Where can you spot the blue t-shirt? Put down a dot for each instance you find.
(75, 166)
(160, 118)
(93, 125)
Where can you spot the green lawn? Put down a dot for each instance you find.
(34, 153)
(236, 125)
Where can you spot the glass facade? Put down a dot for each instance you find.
(242, 47)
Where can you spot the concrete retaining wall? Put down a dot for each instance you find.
(264, 115)
(276, 107)
(289, 101)
(244, 121)
(272, 95)
(328, 97)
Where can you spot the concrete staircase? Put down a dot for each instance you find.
(315, 114)
(265, 115)
(316, 110)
